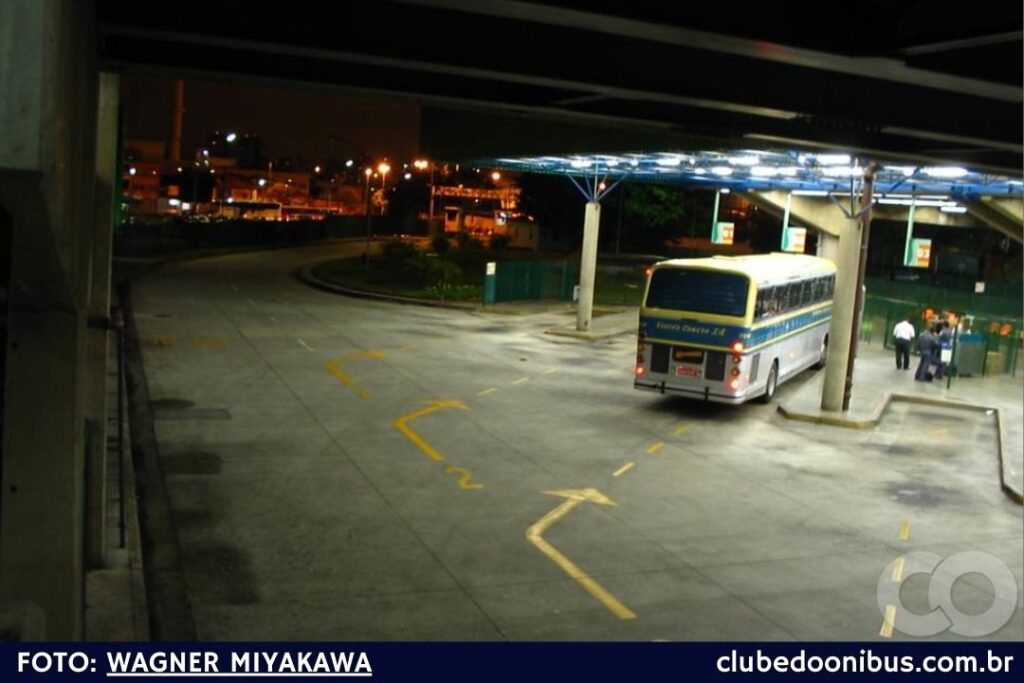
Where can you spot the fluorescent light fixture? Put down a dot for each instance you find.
(749, 160)
(579, 163)
(833, 159)
(763, 171)
(953, 209)
(699, 171)
(724, 190)
(174, 202)
(634, 163)
(945, 171)
(721, 170)
(231, 137)
(915, 202)
(810, 193)
(185, 206)
(669, 161)
(789, 171)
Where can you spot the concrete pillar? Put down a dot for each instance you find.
(97, 344)
(43, 476)
(588, 265)
(847, 252)
(48, 109)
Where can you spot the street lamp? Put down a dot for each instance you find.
(368, 172)
(383, 168)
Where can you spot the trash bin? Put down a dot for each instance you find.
(969, 358)
(994, 363)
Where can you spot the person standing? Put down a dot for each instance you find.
(927, 345)
(945, 344)
(904, 334)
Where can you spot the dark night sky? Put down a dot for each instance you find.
(289, 121)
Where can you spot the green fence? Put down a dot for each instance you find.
(997, 319)
(534, 280)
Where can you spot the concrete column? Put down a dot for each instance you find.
(588, 265)
(97, 344)
(43, 476)
(48, 110)
(847, 251)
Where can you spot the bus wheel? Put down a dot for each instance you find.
(773, 381)
(823, 356)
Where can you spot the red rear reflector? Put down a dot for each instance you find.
(735, 372)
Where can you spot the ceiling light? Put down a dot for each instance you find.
(763, 171)
(945, 171)
(749, 160)
(953, 209)
(721, 170)
(833, 159)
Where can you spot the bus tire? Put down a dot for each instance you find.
(771, 383)
(823, 356)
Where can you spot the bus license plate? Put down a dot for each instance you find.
(687, 371)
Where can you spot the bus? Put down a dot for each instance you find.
(732, 328)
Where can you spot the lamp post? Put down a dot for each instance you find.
(368, 172)
(383, 168)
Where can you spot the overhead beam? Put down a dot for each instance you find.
(876, 68)
(1003, 215)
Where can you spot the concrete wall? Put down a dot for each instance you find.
(48, 185)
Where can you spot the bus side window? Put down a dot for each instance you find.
(807, 293)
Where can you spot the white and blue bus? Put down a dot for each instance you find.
(732, 328)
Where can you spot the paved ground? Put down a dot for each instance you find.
(349, 469)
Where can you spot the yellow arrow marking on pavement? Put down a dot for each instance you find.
(465, 478)
(486, 391)
(334, 367)
(401, 424)
(521, 380)
(535, 536)
(681, 429)
(549, 371)
(655, 447)
(905, 530)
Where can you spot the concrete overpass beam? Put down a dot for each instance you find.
(1003, 214)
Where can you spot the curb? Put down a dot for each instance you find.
(879, 411)
(586, 336)
(306, 276)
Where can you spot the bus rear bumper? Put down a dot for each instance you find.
(704, 394)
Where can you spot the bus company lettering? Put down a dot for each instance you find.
(690, 328)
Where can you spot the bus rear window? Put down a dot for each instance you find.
(699, 291)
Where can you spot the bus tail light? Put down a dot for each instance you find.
(639, 371)
(735, 372)
(737, 346)
(734, 384)
(736, 359)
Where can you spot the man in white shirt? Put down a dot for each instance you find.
(904, 334)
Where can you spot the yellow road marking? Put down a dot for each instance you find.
(209, 341)
(897, 569)
(162, 341)
(625, 468)
(406, 347)
(360, 355)
(401, 424)
(681, 429)
(549, 371)
(905, 530)
(486, 391)
(655, 447)
(535, 536)
(941, 432)
(888, 622)
(521, 380)
(465, 478)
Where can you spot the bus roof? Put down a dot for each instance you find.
(774, 267)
